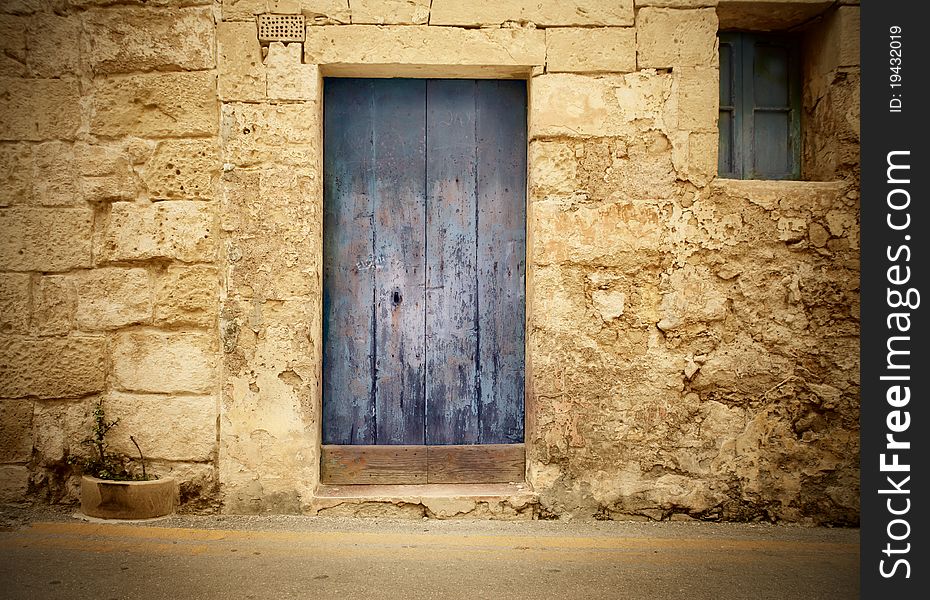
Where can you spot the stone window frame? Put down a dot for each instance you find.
(827, 34)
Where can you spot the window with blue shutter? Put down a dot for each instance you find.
(760, 107)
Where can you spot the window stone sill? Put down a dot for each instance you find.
(775, 193)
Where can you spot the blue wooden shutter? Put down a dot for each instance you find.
(760, 99)
(729, 124)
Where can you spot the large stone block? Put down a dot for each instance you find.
(154, 422)
(106, 173)
(424, 46)
(830, 44)
(14, 483)
(15, 302)
(545, 13)
(55, 179)
(240, 70)
(15, 430)
(39, 174)
(183, 169)
(288, 77)
(45, 239)
(54, 44)
(110, 298)
(848, 33)
(316, 11)
(54, 302)
(668, 38)
(552, 168)
(699, 160)
(635, 167)
(12, 46)
(155, 361)
(695, 100)
(52, 368)
(585, 50)
(274, 249)
(146, 39)
(175, 229)
(269, 402)
(60, 428)
(285, 134)
(793, 196)
(15, 173)
(390, 12)
(771, 15)
(187, 295)
(181, 104)
(39, 109)
(584, 106)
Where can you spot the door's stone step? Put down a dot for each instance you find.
(505, 501)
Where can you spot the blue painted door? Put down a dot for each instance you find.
(424, 261)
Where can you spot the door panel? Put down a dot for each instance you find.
(451, 274)
(348, 273)
(501, 258)
(398, 196)
(424, 265)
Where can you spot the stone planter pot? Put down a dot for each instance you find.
(128, 499)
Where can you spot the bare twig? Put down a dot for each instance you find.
(141, 458)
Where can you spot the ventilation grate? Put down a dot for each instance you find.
(281, 28)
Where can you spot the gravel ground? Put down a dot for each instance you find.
(14, 517)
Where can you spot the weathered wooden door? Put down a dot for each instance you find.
(424, 266)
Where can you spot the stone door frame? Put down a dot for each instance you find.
(270, 430)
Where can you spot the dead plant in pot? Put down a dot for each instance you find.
(113, 486)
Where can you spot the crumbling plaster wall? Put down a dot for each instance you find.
(692, 342)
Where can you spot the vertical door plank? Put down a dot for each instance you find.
(348, 276)
(398, 173)
(501, 258)
(451, 332)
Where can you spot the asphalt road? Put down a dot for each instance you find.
(320, 558)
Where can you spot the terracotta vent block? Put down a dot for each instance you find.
(281, 28)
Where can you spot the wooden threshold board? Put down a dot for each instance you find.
(480, 463)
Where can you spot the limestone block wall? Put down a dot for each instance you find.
(692, 347)
(109, 284)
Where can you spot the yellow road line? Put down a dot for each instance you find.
(157, 540)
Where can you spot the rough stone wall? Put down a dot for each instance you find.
(692, 342)
(108, 280)
(271, 196)
(831, 98)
